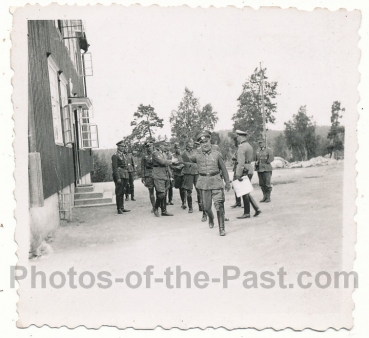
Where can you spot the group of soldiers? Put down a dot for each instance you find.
(199, 166)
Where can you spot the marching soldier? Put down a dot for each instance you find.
(131, 166)
(210, 184)
(120, 175)
(161, 176)
(245, 168)
(263, 159)
(170, 189)
(178, 175)
(191, 175)
(146, 170)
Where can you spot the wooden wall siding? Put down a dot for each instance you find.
(56, 161)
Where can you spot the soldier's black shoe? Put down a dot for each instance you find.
(190, 210)
(127, 198)
(222, 232)
(170, 203)
(268, 200)
(236, 206)
(211, 223)
(125, 210)
(120, 212)
(184, 206)
(257, 213)
(264, 199)
(133, 199)
(244, 216)
(156, 212)
(226, 219)
(204, 217)
(166, 213)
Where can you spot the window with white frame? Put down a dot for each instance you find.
(89, 136)
(55, 102)
(67, 114)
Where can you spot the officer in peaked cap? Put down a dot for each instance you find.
(210, 164)
(244, 167)
(146, 170)
(263, 159)
(161, 177)
(191, 175)
(120, 175)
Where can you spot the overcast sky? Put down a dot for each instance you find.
(149, 55)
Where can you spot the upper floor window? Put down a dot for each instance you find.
(55, 101)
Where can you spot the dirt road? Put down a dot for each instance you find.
(300, 230)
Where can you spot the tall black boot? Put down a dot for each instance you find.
(246, 207)
(170, 196)
(164, 211)
(255, 206)
(122, 208)
(199, 199)
(204, 216)
(152, 200)
(220, 215)
(132, 193)
(183, 197)
(238, 202)
(157, 205)
(211, 219)
(189, 202)
(264, 194)
(267, 200)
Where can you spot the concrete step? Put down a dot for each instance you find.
(85, 195)
(107, 198)
(95, 205)
(81, 189)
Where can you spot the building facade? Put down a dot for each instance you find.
(61, 134)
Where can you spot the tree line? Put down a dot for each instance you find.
(298, 142)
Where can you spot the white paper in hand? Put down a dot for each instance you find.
(242, 188)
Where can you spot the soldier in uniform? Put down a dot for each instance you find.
(170, 189)
(191, 175)
(120, 175)
(131, 166)
(146, 170)
(244, 167)
(177, 170)
(210, 184)
(263, 159)
(161, 176)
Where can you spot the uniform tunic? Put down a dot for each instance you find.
(160, 172)
(131, 167)
(190, 171)
(210, 182)
(244, 158)
(120, 172)
(264, 157)
(177, 170)
(146, 169)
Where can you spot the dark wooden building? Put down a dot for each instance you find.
(61, 134)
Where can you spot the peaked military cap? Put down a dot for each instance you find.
(202, 136)
(241, 132)
(120, 143)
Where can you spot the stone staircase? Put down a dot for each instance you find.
(86, 195)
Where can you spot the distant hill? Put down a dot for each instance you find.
(273, 134)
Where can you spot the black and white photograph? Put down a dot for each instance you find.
(185, 167)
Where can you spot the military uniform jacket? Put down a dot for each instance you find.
(119, 166)
(147, 165)
(131, 165)
(190, 167)
(177, 168)
(264, 157)
(245, 155)
(160, 169)
(210, 165)
(248, 169)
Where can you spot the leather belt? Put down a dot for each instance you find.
(210, 174)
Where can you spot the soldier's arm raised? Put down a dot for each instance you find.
(160, 160)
